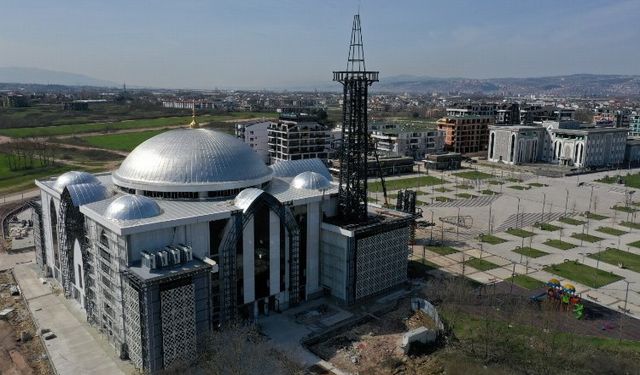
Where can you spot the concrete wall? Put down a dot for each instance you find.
(313, 248)
(333, 260)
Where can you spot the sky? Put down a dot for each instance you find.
(298, 43)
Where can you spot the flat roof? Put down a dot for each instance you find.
(147, 274)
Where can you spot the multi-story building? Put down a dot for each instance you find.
(407, 140)
(255, 134)
(562, 143)
(299, 138)
(466, 128)
(634, 124)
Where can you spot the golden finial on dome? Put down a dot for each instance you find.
(194, 120)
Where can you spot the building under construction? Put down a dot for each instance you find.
(194, 230)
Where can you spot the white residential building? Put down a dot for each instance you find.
(255, 134)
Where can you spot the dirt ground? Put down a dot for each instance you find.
(18, 357)
(373, 347)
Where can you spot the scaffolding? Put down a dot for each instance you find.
(228, 278)
(38, 234)
(71, 227)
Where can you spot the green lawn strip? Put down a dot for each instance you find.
(630, 224)
(594, 216)
(519, 187)
(536, 184)
(625, 209)
(611, 231)
(632, 180)
(519, 232)
(618, 257)
(465, 195)
(122, 141)
(634, 244)
(495, 182)
(525, 281)
(481, 264)
(442, 189)
(571, 221)
(529, 252)
(488, 192)
(491, 239)
(443, 199)
(442, 250)
(558, 244)
(406, 183)
(463, 186)
(547, 227)
(586, 237)
(55, 130)
(419, 267)
(583, 274)
(512, 179)
(474, 175)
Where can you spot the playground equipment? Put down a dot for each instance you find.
(564, 296)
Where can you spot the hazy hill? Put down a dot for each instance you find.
(49, 77)
(576, 84)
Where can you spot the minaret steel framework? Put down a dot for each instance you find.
(355, 146)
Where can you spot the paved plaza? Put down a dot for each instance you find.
(521, 201)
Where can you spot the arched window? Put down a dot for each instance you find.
(53, 214)
(104, 241)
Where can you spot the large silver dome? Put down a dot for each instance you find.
(192, 160)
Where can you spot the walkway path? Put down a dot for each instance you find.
(78, 348)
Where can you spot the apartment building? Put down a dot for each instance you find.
(407, 140)
(302, 138)
(255, 134)
(466, 127)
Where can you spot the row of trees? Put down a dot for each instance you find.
(27, 154)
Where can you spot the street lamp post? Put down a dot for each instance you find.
(518, 212)
(544, 201)
(433, 224)
(566, 202)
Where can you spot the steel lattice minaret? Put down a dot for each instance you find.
(353, 153)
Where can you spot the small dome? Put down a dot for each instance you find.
(73, 178)
(192, 160)
(311, 181)
(87, 193)
(132, 207)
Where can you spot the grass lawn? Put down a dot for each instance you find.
(632, 180)
(634, 244)
(55, 130)
(519, 187)
(558, 244)
(526, 282)
(443, 199)
(630, 224)
(11, 181)
(530, 252)
(520, 232)
(616, 256)
(481, 264)
(536, 184)
(442, 189)
(465, 195)
(513, 179)
(624, 209)
(611, 231)
(495, 182)
(464, 186)
(571, 221)
(418, 267)
(594, 216)
(491, 239)
(122, 141)
(406, 183)
(587, 237)
(547, 227)
(442, 250)
(489, 192)
(583, 274)
(474, 175)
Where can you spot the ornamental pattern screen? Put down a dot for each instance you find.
(133, 326)
(178, 323)
(381, 261)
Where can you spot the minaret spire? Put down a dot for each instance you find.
(194, 119)
(355, 62)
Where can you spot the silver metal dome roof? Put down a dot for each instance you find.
(292, 168)
(311, 181)
(244, 199)
(132, 207)
(87, 193)
(73, 178)
(192, 160)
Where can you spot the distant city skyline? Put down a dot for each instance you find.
(287, 44)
